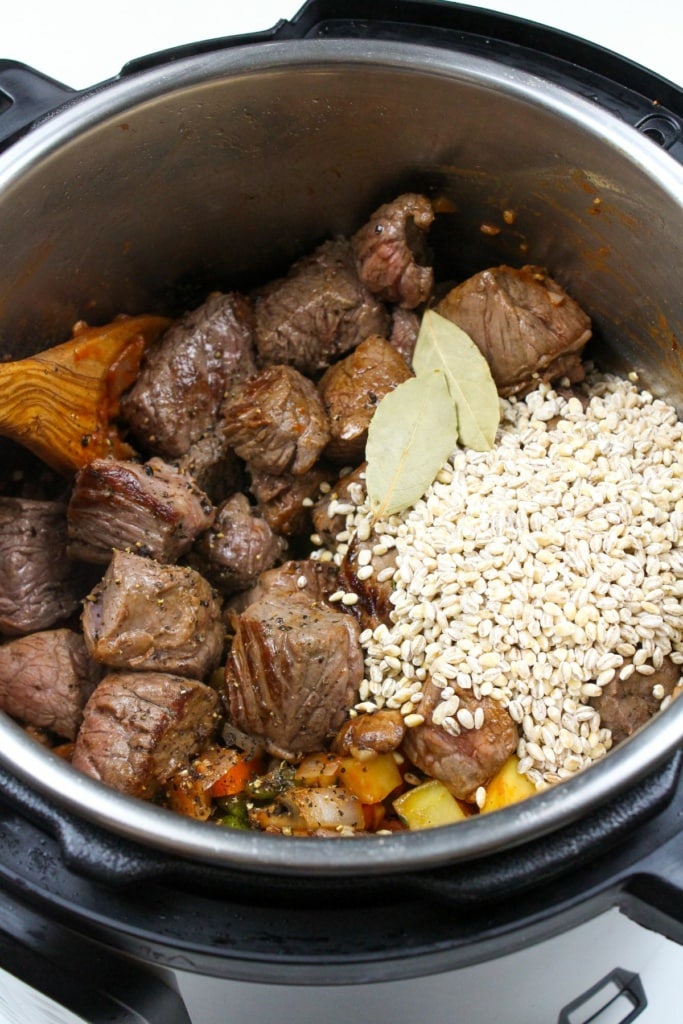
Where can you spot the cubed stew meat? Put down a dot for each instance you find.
(230, 624)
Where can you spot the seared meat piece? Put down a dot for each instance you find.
(391, 251)
(146, 616)
(46, 678)
(284, 500)
(293, 670)
(318, 312)
(627, 704)
(381, 732)
(39, 585)
(139, 728)
(374, 605)
(186, 373)
(153, 509)
(276, 422)
(317, 579)
(328, 524)
(525, 325)
(351, 391)
(469, 760)
(405, 327)
(238, 547)
(214, 466)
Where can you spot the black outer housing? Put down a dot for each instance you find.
(319, 930)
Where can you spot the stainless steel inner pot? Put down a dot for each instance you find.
(215, 171)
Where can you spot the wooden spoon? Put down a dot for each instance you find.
(60, 402)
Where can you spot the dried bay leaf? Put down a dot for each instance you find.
(412, 433)
(442, 345)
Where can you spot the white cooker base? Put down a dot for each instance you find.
(532, 986)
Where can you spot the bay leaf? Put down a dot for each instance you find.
(412, 433)
(442, 345)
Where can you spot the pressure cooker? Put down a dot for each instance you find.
(220, 162)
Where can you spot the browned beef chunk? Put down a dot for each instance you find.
(469, 760)
(524, 323)
(153, 509)
(46, 678)
(627, 704)
(351, 391)
(285, 501)
(39, 585)
(317, 579)
(327, 521)
(380, 732)
(374, 605)
(147, 616)
(405, 327)
(185, 374)
(214, 466)
(318, 312)
(293, 670)
(391, 251)
(276, 422)
(139, 728)
(238, 547)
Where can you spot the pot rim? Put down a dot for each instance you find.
(163, 830)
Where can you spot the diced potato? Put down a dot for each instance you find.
(428, 805)
(507, 787)
(319, 770)
(371, 780)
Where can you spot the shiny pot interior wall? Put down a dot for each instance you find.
(216, 172)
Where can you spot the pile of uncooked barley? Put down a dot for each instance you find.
(535, 572)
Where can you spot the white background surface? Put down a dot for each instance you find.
(81, 43)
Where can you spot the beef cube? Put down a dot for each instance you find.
(153, 509)
(318, 312)
(405, 327)
(627, 704)
(46, 679)
(293, 671)
(285, 502)
(525, 325)
(468, 760)
(214, 466)
(351, 391)
(317, 579)
(140, 728)
(374, 594)
(327, 521)
(238, 548)
(276, 422)
(147, 616)
(392, 254)
(39, 584)
(186, 373)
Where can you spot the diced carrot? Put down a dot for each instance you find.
(236, 777)
(186, 795)
(371, 780)
(64, 750)
(374, 815)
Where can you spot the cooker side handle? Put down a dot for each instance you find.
(25, 96)
(653, 895)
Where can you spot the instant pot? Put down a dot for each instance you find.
(216, 164)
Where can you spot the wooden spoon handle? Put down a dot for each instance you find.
(59, 403)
